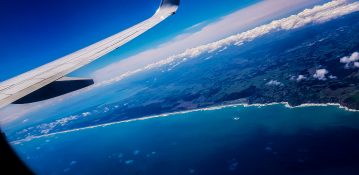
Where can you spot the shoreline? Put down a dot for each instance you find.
(285, 104)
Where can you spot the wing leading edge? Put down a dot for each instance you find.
(21, 86)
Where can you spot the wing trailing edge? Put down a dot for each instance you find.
(57, 88)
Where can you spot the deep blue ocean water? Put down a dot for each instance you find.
(233, 140)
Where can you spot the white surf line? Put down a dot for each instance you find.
(286, 104)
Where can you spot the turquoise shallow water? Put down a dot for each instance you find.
(232, 140)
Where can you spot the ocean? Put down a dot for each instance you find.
(230, 140)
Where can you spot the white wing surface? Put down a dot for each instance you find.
(18, 87)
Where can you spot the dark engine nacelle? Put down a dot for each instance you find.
(57, 88)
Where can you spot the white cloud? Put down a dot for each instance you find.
(350, 60)
(274, 83)
(320, 74)
(301, 77)
(86, 114)
(333, 77)
(46, 128)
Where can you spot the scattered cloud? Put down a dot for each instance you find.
(48, 127)
(274, 83)
(86, 114)
(352, 58)
(320, 74)
(332, 77)
(301, 77)
(351, 61)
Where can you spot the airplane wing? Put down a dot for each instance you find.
(49, 80)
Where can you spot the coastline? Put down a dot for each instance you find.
(285, 104)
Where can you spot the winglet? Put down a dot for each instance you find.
(170, 2)
(168, 6)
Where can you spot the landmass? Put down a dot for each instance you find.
(316, 64)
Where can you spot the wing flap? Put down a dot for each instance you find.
(57, 88)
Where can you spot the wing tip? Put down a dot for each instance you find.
(169, 5)
(170, 2)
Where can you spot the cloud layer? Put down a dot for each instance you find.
(316, 15)
(205, 32)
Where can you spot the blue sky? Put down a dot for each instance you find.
(36, 32)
